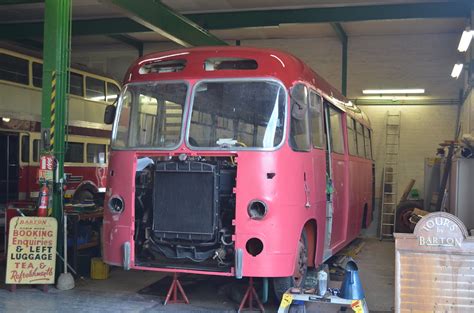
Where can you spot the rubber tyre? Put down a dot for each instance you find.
(282, 284)
(83, 195)
(404, 211)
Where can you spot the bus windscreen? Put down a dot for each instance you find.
(150, 115)
(237, 114)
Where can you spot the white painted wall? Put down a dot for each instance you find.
(423, 127)
(467, 117)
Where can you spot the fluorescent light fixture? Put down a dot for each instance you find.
(465, 40)
(392, 91)
(6, 119)
(457, 69)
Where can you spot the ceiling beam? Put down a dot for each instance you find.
(228, 20)
(108, 26)
(30, 44)
(163, 20)
(13, 2)
(130, 41)
(239, 19)
(341, 34)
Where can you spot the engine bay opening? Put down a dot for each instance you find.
(184, 208)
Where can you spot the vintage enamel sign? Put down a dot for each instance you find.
(31, 255)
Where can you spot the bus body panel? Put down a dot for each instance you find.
(292, 184)
(279, 230)
(117, 229)
(76, 176)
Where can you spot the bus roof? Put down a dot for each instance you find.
(237, 62)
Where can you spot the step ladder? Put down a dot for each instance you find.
(390, 175)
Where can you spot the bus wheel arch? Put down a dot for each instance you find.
(297, 279)
(85, 191)
(310, 229)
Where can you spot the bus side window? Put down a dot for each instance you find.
(335, 124)
(360, 140)
(25, 148)
(96, 153)
(368, 148)
(37, 74)
(13, 69)
(351, 135)
(299, 134)
(36, 149)
(76, 84)
(74, 152)
(315, 111)
(112, 92)
(95, 89)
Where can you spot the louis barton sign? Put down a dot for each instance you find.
(31, 250)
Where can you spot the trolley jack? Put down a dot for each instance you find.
(173, 293)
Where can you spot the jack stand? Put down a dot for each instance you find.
(173, 292)
(247, 301)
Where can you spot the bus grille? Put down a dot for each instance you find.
(185, 202)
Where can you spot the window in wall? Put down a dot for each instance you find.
(13, 69)
(76, 84)
(351, 135)
(25, 148)
(74, 152)
(337, 139)
(360, 140)
(36, 149)
(37, 74)
(315, 112)
(299, 134)
(368, 144)
(96, 153)
(95, 89)
(112, 92)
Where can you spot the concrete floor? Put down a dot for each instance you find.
(120, 292)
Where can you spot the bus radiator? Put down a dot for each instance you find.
(185, 202)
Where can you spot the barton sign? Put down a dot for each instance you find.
(31, 255)
(440, 229)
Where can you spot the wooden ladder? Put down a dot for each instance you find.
(390, 175)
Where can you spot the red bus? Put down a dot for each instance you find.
(234, 161)
(20, 114)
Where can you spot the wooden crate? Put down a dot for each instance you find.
(434, 269)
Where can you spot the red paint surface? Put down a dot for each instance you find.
(28, 182)
(285, 194)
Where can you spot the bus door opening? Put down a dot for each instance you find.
(337, 174)
(329, 184)
(9, 166)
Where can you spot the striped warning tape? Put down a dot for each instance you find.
(53, 107)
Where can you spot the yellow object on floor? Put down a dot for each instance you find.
(99, 270)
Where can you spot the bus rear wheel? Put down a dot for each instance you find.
(282, 284)
(83, 196)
